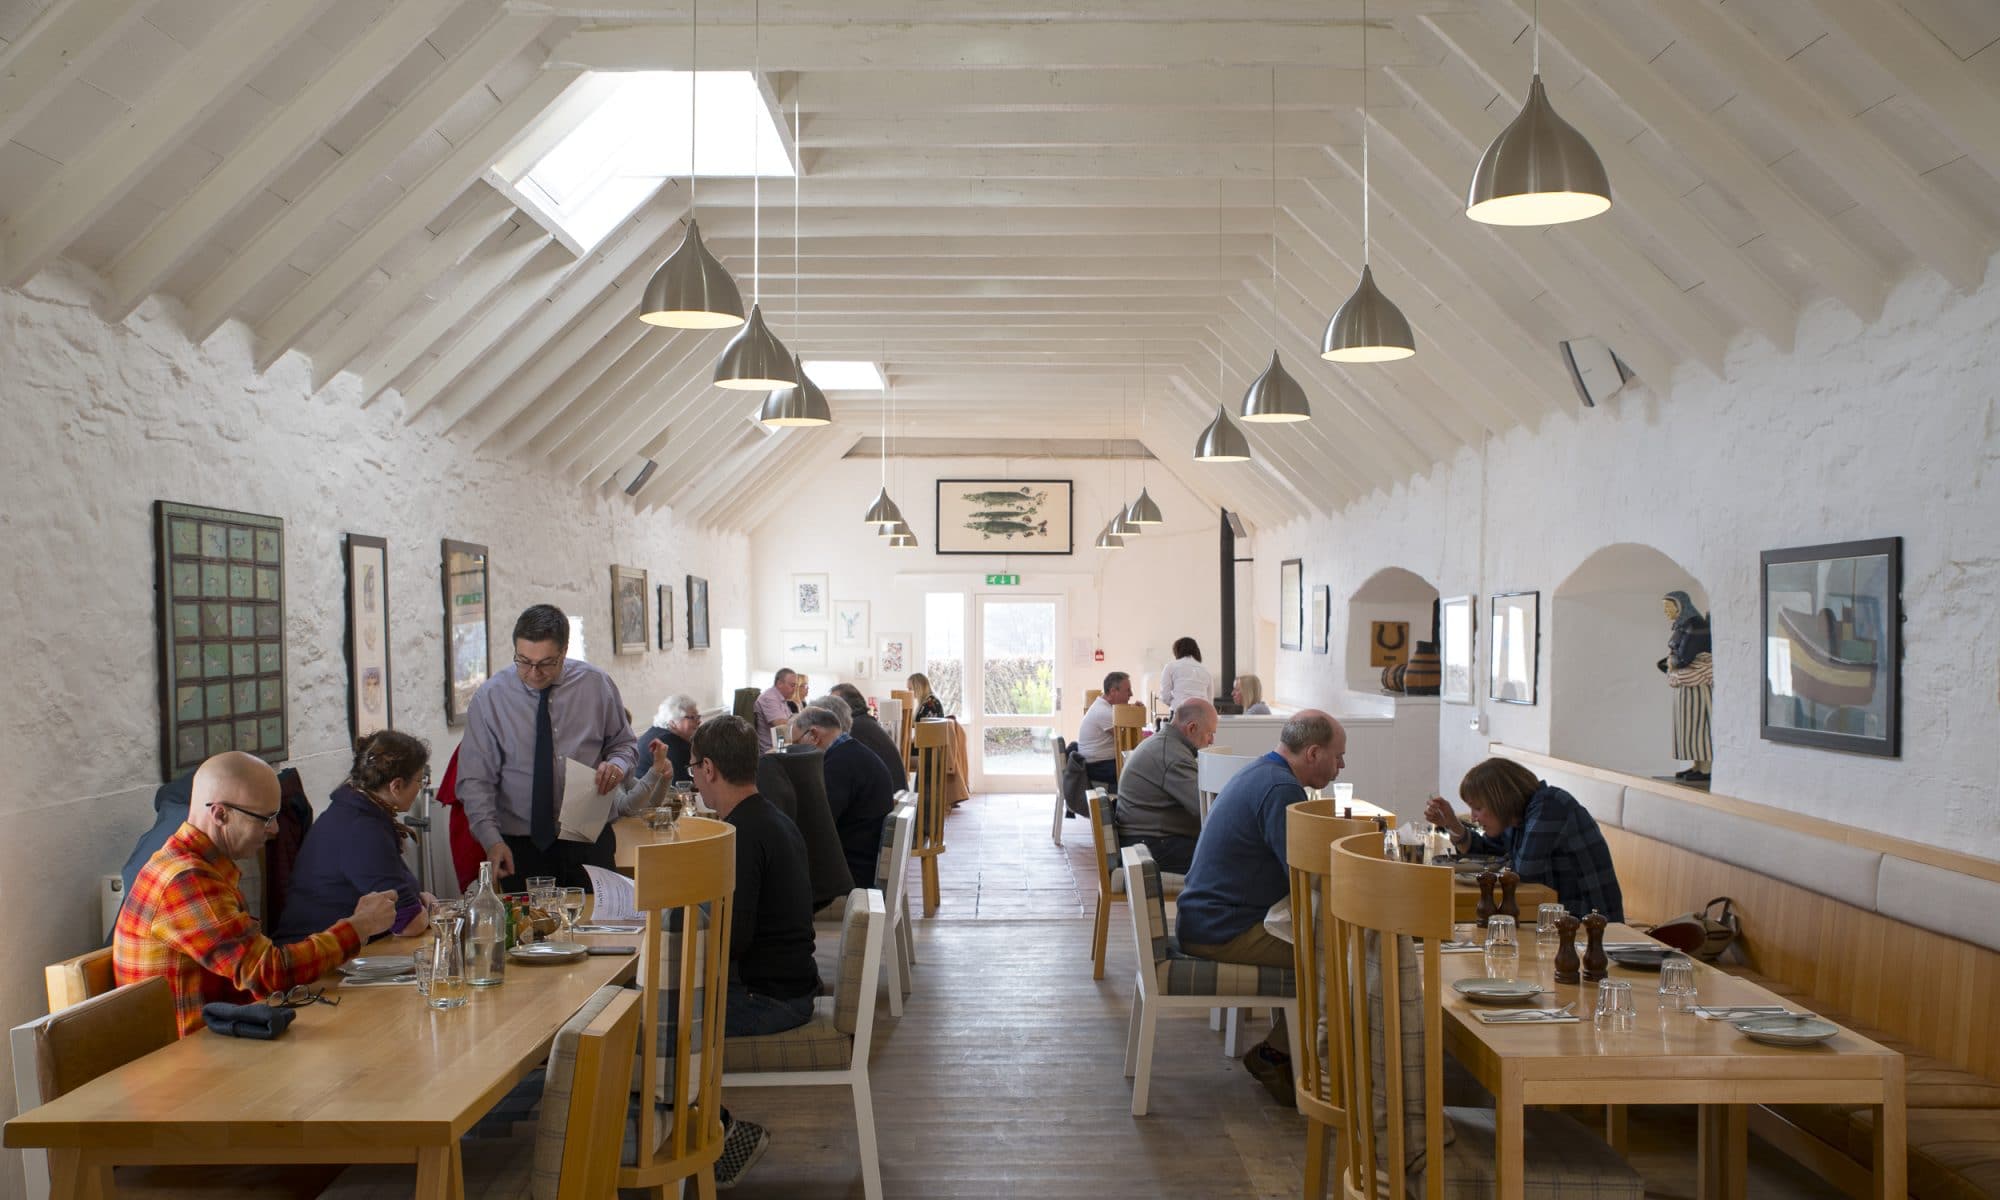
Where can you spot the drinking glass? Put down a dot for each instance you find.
(448, 986)
(1503, 950)
(1677, 990)
(1466, 933)
(1614, 1004)
(571, 900)
(1548, 938)
(542, 891)
(420, 966)
(1410, 843)
(1343, 793)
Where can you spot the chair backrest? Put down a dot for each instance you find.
(74, 980)
(1392, 1072)
(1128, 729)
(1090, 696)
(889, 714)
(745, 704)
(1311, 828)
(1104, 839)
(860, 978)
(102, 1033)
(584, 1096)
(892, 868)
(908, 699)
(682, 993)
(1147, 899)
(932, 741)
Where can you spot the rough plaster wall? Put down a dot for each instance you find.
(101, 421)
(1864, 430)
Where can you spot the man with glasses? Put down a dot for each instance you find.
(520, 725)
(859, 791)
(185, 917)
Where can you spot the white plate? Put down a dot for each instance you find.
(1496, 991)
(378, 964)
(1802, 1030)
(549, 952)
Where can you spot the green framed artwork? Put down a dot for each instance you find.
(221, 596)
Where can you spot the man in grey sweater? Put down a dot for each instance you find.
(1158, 804)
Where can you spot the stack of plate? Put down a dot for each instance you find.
(377, 967)
(548, 952)
(1789, 1029)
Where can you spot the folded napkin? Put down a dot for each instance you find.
(259, 1021)
(1524, 1016)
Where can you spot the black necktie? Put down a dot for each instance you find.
(542, 813)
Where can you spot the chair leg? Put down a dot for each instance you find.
(1099, 933)
(892, 982)
(901, 942)
(1055, 828)
(1315, 1181)
(1229, 1022)
(909, 939)
(1142, 1075)
(864, 1130)
(930, 887)
(1132, 1032)
(1215, 1020)
(704, 1186)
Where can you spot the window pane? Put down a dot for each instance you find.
(1019, 658)
(1016, 750)
(944, 647)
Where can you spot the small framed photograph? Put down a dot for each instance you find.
(1291, 604)
(1833, 646)
(468, 654)
(809, 601)
(1322, 604)
(665, 609)
(628, 610)
(697, 594)
(1514, 674)
(1458, 623)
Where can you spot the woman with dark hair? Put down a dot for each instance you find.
(1185, 678)
(356, 845)
(1539, 830)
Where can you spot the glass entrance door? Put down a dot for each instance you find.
(1014, 692)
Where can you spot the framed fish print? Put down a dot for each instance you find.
(468, 652)
(628, 610)
(802, 648)
(1004, 516)
(850, 623)
(1514, 670)
(1832, 618)
(809, 602)
(1291, 604)
(221, 594)
(369, 697)
(1458, 625)
(697, 590)
(665, 608)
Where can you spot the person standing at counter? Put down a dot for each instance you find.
(1185, 678)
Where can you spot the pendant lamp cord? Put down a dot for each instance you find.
(1364, 135)
(798, 173)
(1274, 207)
(756, 166)
(1142, 412)
(1538, 36)
(694, 75)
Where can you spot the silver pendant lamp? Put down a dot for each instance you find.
(903, 541)
(883, 513)
(1109, 540)
(797, 407)
(1275, 395)
(1144, 510)
(755, 360)
(1369, 327)
(692, 289)
(1222, 441)
(1540, 170)
(1123, 527)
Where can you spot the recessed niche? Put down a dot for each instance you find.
(1392, 608)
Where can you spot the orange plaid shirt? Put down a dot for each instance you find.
(184, 918)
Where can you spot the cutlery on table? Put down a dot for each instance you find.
(1529, 1015)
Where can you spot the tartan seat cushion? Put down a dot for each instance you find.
(1170, 883)
(816, 1045)
(558, 1084)
(1184, 975)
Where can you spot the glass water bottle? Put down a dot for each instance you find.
(486, 932)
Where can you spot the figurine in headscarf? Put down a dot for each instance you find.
(1690, 670)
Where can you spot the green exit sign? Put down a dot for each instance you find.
(1003, 581)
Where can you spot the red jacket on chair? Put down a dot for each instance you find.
(466, 852)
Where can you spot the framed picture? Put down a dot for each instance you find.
(850, 623)
(221, 596)
(1322, 604)
(863, 668)
(892, 656)
(1833, 647)
(803, 647)
(1512, 672)
(369, 706)
(809, 599)
(1388, 643)
(665, 609)
(1458, 625)
(468, 654)
(1291, 605)
(697, 590)
(628, 610)
(1004, 516)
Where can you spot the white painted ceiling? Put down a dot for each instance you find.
(1023, 210)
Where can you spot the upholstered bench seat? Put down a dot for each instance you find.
(1170, 883)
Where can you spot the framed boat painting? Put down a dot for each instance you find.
(1004, 516)
(1833, 648)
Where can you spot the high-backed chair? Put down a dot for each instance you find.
(1311, 827)
(1090, 696)
(892, 872)
(1399, 1137)
(932, 743)
(1166, 979)
(745, 704)
(908, 700)
(74, 980)
(1111, 879)
(889, 714)
(794, 781)
(831, 1049)
(1128, 729)
(1061, 749)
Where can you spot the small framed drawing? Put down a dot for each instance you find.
(1458, 625)
(1833, 620)
(803, 647)
(697, 590)
(850, 623)
(809, 602)
(665, 615)
(1322, 602)
(468, 654)
(221, 591)
(892, 656)
(628, 610)
(1291, 605)
(369, 698)
(1513, 673)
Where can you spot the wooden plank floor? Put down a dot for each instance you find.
(1004, 1076)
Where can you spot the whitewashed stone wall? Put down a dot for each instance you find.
(1863, 430)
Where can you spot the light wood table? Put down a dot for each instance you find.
(380, 1078)
(1668, 1058)
(1528, 897)
(632, 833)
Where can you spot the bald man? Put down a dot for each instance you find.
(185, 917)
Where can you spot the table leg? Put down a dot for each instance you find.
(1614, 1126)
(1724, 1143)
(440, 1173)
(72, 1177)
(1509, 1118)
(1892, 1162)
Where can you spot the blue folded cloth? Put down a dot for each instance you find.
(259, 1021)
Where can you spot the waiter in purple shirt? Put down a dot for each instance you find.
(520, 725)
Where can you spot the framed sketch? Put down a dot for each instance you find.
(1291, 604)
(1388, 643)
(1458, 626)
(850, 623)
(1004, 516)
(468, 653)
(809, 599)
(1832, 618)
(665, 609)
(803, 647)
(221, 597)
(628, 610)
(863, 668)
(892, 656)
(1322, 605)
(697, 590)
(1513, 674)
(369, 706)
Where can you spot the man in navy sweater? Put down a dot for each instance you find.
(858, 788)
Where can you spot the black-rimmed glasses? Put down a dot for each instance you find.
(266, 818)
(300, 996)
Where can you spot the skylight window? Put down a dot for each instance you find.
(837, 375)
(614, 138)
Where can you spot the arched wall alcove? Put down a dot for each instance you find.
(1609, 705)
(1390, 594)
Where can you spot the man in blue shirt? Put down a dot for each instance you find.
(1239, 868)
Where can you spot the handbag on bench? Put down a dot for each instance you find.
(1706, 933)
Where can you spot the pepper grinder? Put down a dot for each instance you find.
(1595, 965)
(1509, 907)
(1487, 905)
(1568, 968)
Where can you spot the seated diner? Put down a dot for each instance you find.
(356, 846)
(1159, 801)
(1539, 830)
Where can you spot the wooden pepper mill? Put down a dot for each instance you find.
(1568, 968)
(1509, 907)
(1595, 965)
(1487, 905)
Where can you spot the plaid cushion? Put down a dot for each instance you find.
(814, 1046)
(666, 1030)
(852, 989)
(1170, 883)
(1180, 975)
(1156, 900)
(557, 1084)
(1561, 1160)
(1409, 979)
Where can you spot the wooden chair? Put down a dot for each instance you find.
(932, 743)
(908, 700)
(831, 1049)
(892, 872)
(1166, 979)
(682, 994)
(889, 713)
(1111, 878)
(744, 704)
(1311, 827)
(1128, 728)
(74, 980)
(1391, 1051)
(1061, 749)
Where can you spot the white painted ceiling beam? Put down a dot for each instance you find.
(187, 95)
(1239, 163)
(945, 344)
(1191, 394)
(1139, 13)
(1964, 104)
(1207, 87)
(602, 330)
(1201, 220)
(380, 367)
(1000, 242)
(574, 446)
(143, 266)
(1360, 460)
(57, 46)
(1006, 195)
(1092, 130)
(714, 503)
(540, 405)
(489, 323)
(914, 265)
(637, 367)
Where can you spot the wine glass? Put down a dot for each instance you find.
(571, 899)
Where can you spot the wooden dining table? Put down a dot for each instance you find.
(380, 1078)
(1668, 1057)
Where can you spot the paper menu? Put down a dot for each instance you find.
(584, 812)
(614, 897)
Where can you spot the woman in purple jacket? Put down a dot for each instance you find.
(356, 845)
